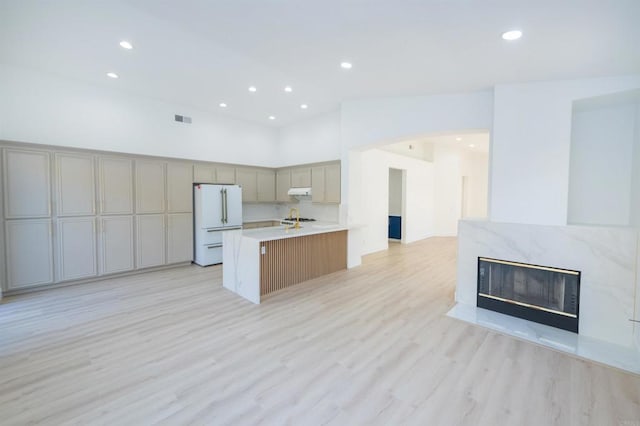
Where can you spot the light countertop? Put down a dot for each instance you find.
(280, 232)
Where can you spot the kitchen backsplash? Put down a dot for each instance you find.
(322, 212)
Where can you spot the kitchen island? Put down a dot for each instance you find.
(257, 262)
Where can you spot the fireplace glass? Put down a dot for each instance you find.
(538, 293)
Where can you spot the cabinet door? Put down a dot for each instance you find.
(225, 175)
(266, 186)
(29, 253)
(179, 187)
(204, 173)
(77, 248)
(150, 240)
(75, 185)
(117, 244)
(283, 183)
(149, 187)
(247, 179)
(179, 237)
(27, 184)
(317, 184)
(116, 186)
(301, 178)
(332, 183)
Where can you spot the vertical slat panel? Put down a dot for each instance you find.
(290, 261)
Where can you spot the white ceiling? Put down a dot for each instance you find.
(202, 52)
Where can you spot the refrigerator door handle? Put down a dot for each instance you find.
(222, 205)
(226, 205)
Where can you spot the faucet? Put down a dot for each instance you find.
(291, 210)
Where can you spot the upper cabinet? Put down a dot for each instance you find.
(116, 185)
(225, 175)
(332, 183)
(27, 184)
(248, 180)
(266, 186)
(325, 187)
(301, 177)
(283, 183)
(317, 184)
(75, 183)
(179, 188)
(206, 173)
(150, 186)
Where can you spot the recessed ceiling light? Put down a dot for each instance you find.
(252, 88)
(126, 45)
(288, 89)
(271, 117)
(458, 139)
(112, 75)
(223, 105)
(472, 145)
(304, 106)
(346, 65)
(512, 35)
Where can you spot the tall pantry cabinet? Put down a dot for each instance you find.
(74, 215)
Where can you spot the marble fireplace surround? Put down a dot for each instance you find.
(607, 257)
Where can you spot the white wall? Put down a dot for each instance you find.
(475, 165)
(369, 123)
(46, 109)
(447, 200)
(372, 198)
(314, 140)
(602, 142)
(395, 192)
(531, 144)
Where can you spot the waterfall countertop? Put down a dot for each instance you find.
(280, 232)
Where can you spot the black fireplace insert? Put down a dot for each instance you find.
(543, 294)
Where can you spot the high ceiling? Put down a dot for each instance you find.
(200, 53)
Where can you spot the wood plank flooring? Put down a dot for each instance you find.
(365, 346)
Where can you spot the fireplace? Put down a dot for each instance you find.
(543, 294)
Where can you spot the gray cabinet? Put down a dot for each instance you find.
(76, 250)
(317, 184)
(75, 184)
(116, 186)
(266, 186)
(179, 188)
(204, 173)
(27, 184)
(150, 186)
(150, 239)
(179, 237)
(248, 180)
(225, 175)
(29, 251)
(283, 183)
(332, 183)
(301, 177)
(325, 184)
(116, 251)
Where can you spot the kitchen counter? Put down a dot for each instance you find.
(259, 261)
(280, 232)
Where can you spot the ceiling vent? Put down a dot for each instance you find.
(183, 119)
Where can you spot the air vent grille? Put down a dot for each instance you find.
(183, 119)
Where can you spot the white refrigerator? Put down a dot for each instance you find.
(216, 208)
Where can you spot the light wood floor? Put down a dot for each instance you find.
(366, 346)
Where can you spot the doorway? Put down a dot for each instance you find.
(396, 223)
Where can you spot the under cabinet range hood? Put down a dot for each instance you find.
(299, 192)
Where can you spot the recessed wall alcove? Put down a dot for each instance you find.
(604, 173)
